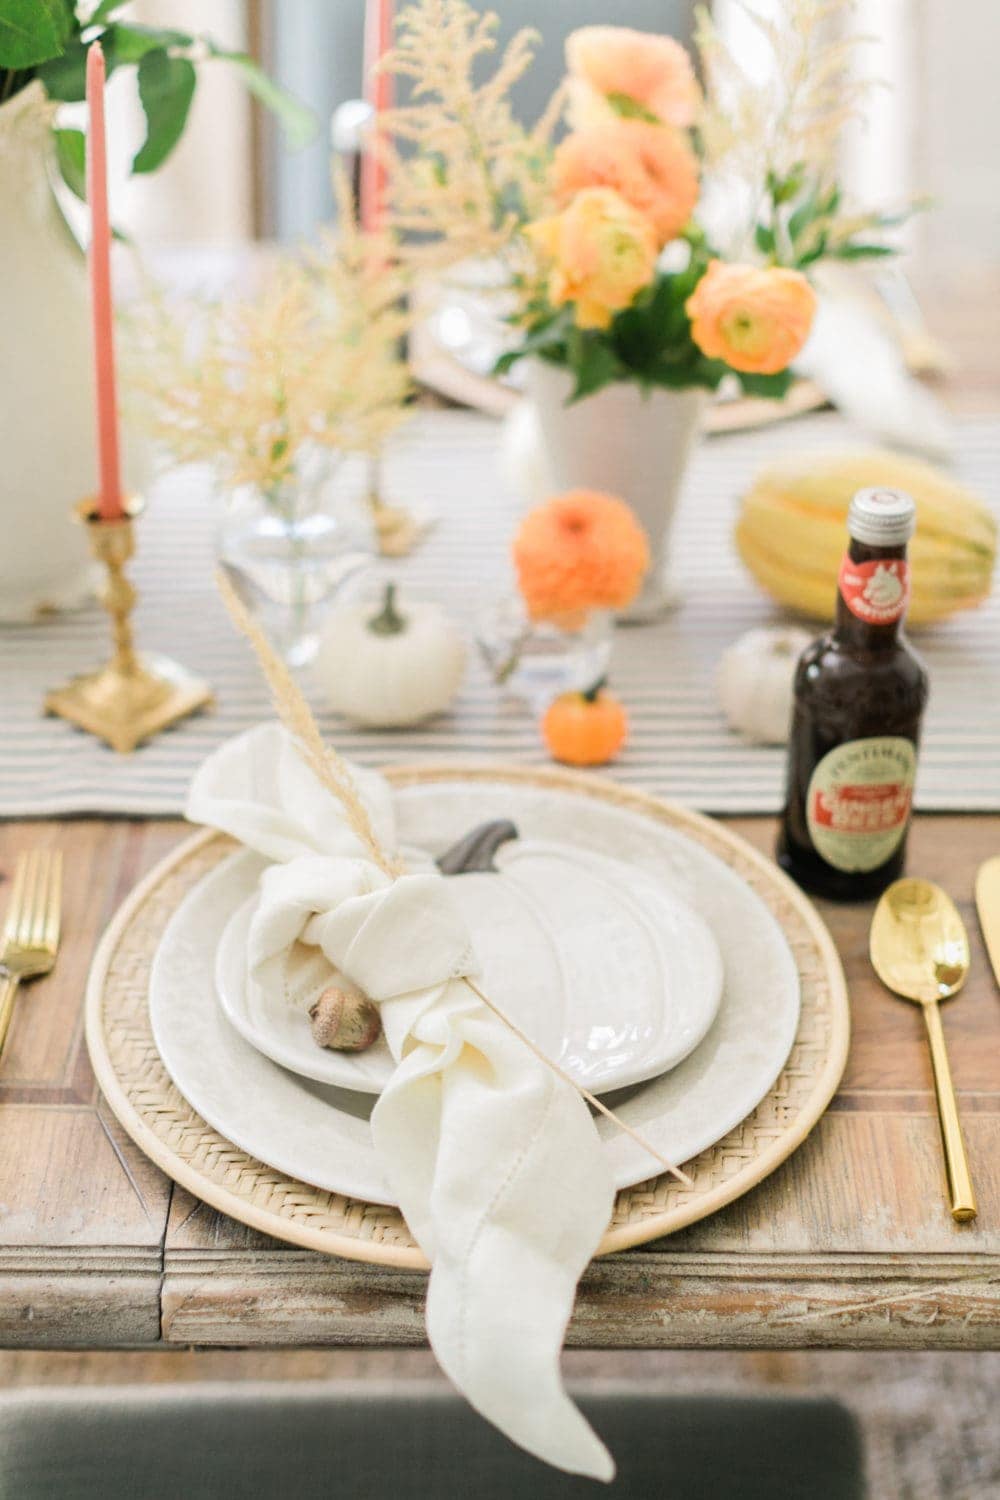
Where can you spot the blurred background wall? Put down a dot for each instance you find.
(935, 129)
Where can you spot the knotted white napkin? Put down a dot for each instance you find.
(494, 1159)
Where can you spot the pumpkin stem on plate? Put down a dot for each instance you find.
(590, 695)
(388, 621)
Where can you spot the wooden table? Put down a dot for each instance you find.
(848, 1245)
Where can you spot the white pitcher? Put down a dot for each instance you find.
(47, 441)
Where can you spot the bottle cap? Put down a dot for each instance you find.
(882, 517)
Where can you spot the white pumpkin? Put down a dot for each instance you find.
(392, 664)
(756, 682)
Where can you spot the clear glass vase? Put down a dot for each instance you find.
(294, 550)
(536, 661)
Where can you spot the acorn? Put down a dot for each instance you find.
(344, 1020)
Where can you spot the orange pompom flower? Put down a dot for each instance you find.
(651, 166)
(633, 73)
(755, 318)
(579, 551)
(602, 250)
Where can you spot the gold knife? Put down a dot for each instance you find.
(988, 906)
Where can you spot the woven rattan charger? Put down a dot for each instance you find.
(163, 1124)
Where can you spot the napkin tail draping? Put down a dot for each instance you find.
(494, 1160)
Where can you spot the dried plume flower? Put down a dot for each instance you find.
(463, 174)
(784, 128)
(311, 360)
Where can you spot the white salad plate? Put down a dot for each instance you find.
(605, 969)
(320, 1134)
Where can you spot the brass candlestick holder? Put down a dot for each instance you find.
(134, 696)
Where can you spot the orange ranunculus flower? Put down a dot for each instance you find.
(651, 166)
(579, 551)
(755, 318)
(631, 73)
(602, 251)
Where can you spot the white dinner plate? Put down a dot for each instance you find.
(603, 967)
(321, 1134)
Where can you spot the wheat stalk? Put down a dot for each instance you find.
(297, 717)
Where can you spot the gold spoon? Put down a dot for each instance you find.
(920, 949)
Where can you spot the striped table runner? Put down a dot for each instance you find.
(679, 745)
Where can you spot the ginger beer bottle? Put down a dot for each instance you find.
(860, 693)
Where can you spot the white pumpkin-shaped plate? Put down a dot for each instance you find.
(603, 967)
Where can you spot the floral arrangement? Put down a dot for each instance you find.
(311, 361)
(619, 240)
(46, 42)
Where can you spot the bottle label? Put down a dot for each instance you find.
(859, 799)
(878, 591)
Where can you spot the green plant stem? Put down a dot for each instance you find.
(388, 621)
(509, 666)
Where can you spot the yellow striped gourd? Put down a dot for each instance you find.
(792, 532)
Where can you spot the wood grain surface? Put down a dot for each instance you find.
(849, 1245)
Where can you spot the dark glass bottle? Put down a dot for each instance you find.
(860, 693)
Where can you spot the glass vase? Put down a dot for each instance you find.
(535, 661)
(294, 551)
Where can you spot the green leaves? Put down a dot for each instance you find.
(772, 386)
(65, 76)
(71, 153)
(166, 88)
(857, 250)
(805, 221)
(627, 108)
(105, 9)
(32, 31)
(43, 38)
(594, 361)
(298, 123)
(129, 44)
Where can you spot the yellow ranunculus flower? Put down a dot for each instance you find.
(756, 318)
(603, 251)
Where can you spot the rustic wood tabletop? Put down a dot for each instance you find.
(848, 1245)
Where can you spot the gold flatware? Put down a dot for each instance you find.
(920, 949)
(31, 930)
(988, 907)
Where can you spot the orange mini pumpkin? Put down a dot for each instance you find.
(585, 729)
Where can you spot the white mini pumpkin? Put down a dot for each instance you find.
(756, 682)
(390, 664)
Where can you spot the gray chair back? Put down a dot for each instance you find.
(406, 1442)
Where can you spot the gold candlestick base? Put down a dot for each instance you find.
(134, 697)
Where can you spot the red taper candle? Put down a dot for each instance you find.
(110, 496)
(379, 93)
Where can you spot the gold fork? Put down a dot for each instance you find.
(31, 931)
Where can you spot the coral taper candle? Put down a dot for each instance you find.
(110, 496)
(379, 93)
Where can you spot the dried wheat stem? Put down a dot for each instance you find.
(609, 1114)
(297, 717)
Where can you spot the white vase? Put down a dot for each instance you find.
(627, 442)
(47, 443)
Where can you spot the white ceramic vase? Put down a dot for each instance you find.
(626, 442)
(47, 443)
